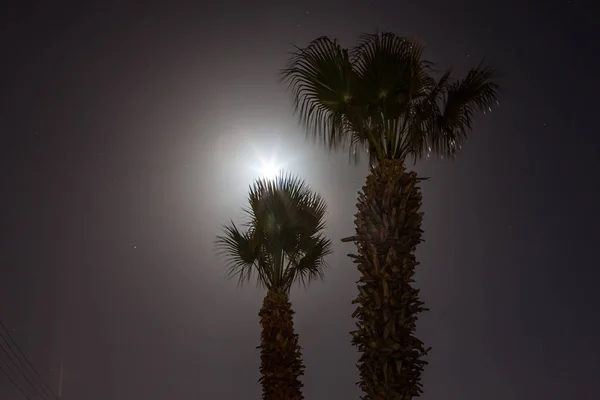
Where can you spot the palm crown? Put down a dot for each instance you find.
(382, 97)
(283, 241)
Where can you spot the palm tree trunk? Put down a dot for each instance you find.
(388, 230)
(281, 359)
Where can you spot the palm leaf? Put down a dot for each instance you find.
(312, 264)
(242, 252)
(321, 78)
(477, 92)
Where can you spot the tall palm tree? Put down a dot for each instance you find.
(283, 243)
(382, 97)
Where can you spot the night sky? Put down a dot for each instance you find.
(129, 134)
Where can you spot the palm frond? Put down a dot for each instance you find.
(311, 265)
(321, 77)
(311, 212)
(274, 203)
(426, 114)
(395, 81)
(389, 66)
(242, 252)
(477, 92)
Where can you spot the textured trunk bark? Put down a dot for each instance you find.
(281, 359)
(388, 230)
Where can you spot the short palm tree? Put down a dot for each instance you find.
(283, 243)
(382, 97)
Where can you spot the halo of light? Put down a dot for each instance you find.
(269, 170)
(259, 157)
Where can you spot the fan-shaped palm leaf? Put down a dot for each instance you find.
(321, 79)
(477, 92)
(242, 252)
(310, 265)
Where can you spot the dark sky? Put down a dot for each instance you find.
(126, 140)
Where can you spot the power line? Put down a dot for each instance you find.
(15, 384)
(14, 369)
(22, 357)
(28, 372)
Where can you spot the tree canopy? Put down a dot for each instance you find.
(283, 240)
(381, 96)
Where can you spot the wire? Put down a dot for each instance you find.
(23, 357)
(15, 384)
(48, 390)
(15, 368)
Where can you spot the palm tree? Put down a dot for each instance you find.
(381, 96)
(283, 243)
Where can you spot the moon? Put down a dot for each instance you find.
(260, 155)
(269, 169)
